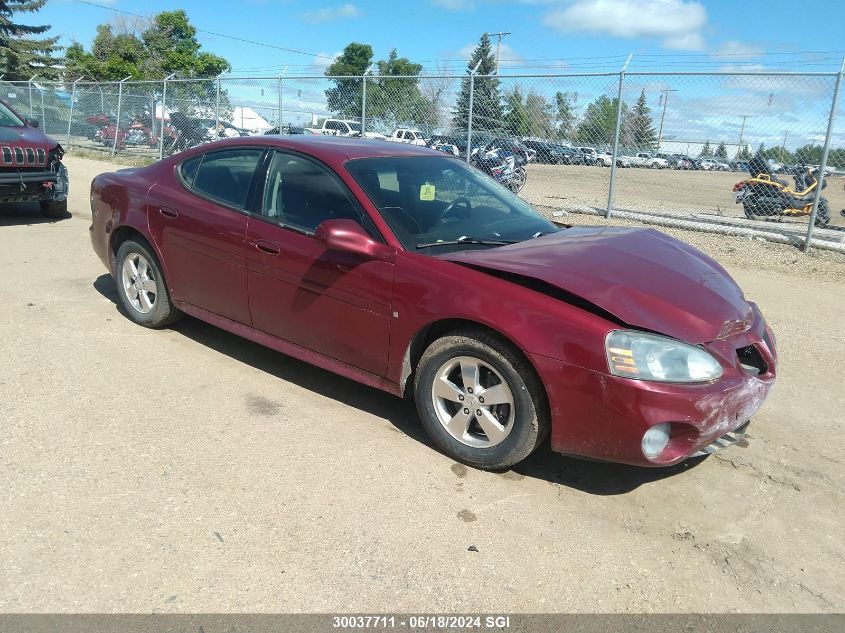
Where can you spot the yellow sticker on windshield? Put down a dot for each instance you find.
(427, 192)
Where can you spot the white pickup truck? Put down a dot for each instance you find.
(407, 135)
(646, 159)
(338, 127)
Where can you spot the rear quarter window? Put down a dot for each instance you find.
(188, 169)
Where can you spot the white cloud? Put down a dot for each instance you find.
(328, 14)
(677, 23)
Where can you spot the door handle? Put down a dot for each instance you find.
(168, 212)
(267, 247)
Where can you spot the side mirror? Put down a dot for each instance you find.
(349, 237)
(33, 123)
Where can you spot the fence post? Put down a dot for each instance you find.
(43, 112)
(217, 107)
(163, 108)
(280, 102)
(117, 119)
(823, 165)
(30, 94)
(70, 118)
(469, 114)
(612, 188)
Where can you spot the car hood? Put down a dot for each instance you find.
(643, 277)
(25, 136)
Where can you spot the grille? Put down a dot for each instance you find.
(42, 155)
(751, 360)
(23, 156)
(19, 156)
(7, 154)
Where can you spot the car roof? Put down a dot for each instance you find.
(329, 149)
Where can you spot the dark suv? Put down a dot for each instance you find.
(31, 165)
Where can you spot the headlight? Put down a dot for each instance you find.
(651, 357)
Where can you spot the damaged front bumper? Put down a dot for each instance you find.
(24, 186)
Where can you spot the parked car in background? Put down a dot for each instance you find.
(679, 161)
(290, 129)
(31, 168)
(590, 154)
(338, 127)
(408, 135)
(605, 159)
(647, 159)
(546, 152)
(412, 272)
(739, 165)
(570, 155)
(511, 145)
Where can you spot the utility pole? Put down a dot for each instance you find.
(741, 132)
(499, 35)
(783, 145)
(666, 92)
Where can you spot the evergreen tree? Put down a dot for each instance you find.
(744, 153)
(721, 151)
(706, 151)
(487, 102)
(599, 124)
(21, 54)
(565, 115)
(516, 115)
(639, 127)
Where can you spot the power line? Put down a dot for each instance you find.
(216, 34)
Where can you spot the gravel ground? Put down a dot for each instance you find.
(655, 190)
(187, 470)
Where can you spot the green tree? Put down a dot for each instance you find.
(706, 151)
(744, 153)
(398, 101)
(345, 98)
(540, 116)
(639, 127)
(516, 120)
(21, 53)
(598, 126)
(167, 45)
(721, 151)
(487, 102)
(565, 115)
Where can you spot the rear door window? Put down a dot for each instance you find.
(225, 175)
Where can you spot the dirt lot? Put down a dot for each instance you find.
(189, 470)
(663, 190)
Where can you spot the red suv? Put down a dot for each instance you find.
(31, 165)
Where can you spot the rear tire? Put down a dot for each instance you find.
(141, 287)
(494, 435)
(823, 213)
(54, 208)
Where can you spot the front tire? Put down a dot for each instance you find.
(141, 287)
(54, 208)
(480, 400)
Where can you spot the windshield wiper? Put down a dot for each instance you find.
(466, 239)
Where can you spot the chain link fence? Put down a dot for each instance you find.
(673, 145)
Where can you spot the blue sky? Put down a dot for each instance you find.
(580, 35)
(547, 36)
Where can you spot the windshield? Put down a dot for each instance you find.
(427, 200)
(355, 127)
(9, 118)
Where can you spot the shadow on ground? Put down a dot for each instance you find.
(595, 478)
(24, 213)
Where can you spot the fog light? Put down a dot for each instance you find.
(655, 440)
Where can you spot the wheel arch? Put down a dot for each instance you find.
(436, 329)
(125, 232)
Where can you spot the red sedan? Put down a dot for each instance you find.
(410, 271)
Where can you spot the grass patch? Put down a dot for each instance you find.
(106, 157)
